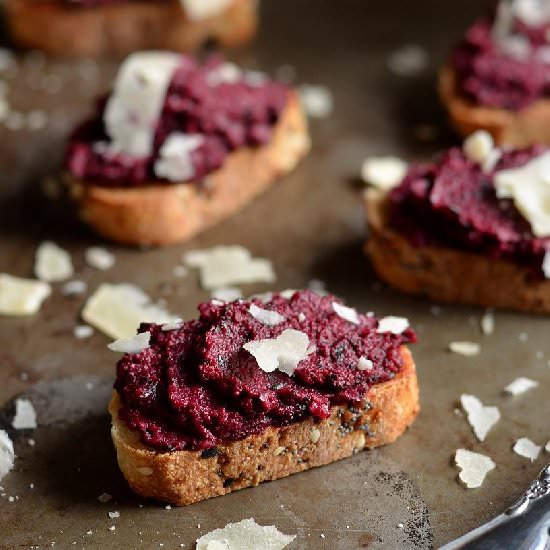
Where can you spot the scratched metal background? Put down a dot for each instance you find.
(311, 225)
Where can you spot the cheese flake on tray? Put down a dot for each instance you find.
(526, 448)
(264, 316)
(99, 258)
(25, 415)
(520, 385)
(480, 418)
(487, 323)
(473, 467)
(223, 266)
(245, 535)
(118, 309)
(395, 325)
(21, 296)
(7, 454)
(468, 349)
(385, 173)
(135, 344)
(52, 263)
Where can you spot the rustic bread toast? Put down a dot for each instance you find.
(121, 28)
(161, 214)
(448, 275)
(184, 477)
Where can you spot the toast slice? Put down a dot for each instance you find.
(120, 28)
(185, 477)
(445, 274)
(164, 214)
(514, 128)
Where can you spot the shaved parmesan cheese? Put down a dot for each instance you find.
(172, 325)
(133, 109)
(364, 364)
(465, 348)
(83, 331)
(225, 73)
(263, 297)
(395, 325)
(100, 258)
(547, 447)
(526, 448)
(118, 310)
(197, 10)
(529, 188)
(520, 385)
(175, 162)
(480, 418)
(226, 265)
(245, 535)
(52, 263)
(316, 100)
(7, 454)
(284, 352)
(227, 294)
(532, 13)
(25, 415)
(473, 467)
(21, 296)
(135, 344)
(383, 172)
(488, 323)
(546, 265)
(288, 293)
(346, 313)
(266, 317)
(478, 146)
(74, 288)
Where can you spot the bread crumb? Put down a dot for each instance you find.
(315, 435)
(467, 349)
(526, 448)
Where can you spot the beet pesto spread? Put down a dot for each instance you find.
(197, 386)
(175, 124)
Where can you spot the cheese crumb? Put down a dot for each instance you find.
(488, 323)
(175, 162)
(316, 100)
(384, 173)
(135, 344)
(395, 325)
(21, 296)
(283, 352)
(227, 294)
(83, 331)
(480, 418)
(520, 385)
(347, 313)
(172, 325)
(7, 454)
(266, 317)
(546, 265)
(99, 258)
(197, 10)
(547, 447)
(245, 534)
(526, 448)
(104, 497)
(74, 288)
(113, 515)
(25, 415)
(467, 349)
(364, 364)
(52, 263)
(473, 467)
(478, 146)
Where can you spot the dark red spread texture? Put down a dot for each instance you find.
(453, 203)
(489, 77)
(229, 116)
(196, 386)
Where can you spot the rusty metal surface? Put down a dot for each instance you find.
(311, 226)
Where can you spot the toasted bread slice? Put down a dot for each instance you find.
(514, 128)
(121, 28)
(161, 214)
(184, 477)
(446, 274)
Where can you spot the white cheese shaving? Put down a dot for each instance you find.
(283, 352)
(488, 323)
(526, 448)
(408, 60)
(227, 294)
(245, 535)
(52, 263)
(478, 146)
(467, 349)
(473, 467)
(492, 159)
(225, 73)
(25, 415)
(227, 265)
(529, 188)
(383, 173)
(533, 13)
(480, 418)
(7, 454)
(117, 310)
(83, 331)
(546, 265)
(196, 10)
(264, 316)
(316, 100)
(520, 385)
(547, 447)
(395, 325)
(175, 162)
(364, 364)
(99, 258)
(133, 109)
(347, 313)
(288, 293)
(172, 325)
(21, 296)
(74, 288)
(263, 297)
(135, 344)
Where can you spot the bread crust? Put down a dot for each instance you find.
(159, 214)
(448, 275)
(184, 477)
(120, 29)
(514, 128)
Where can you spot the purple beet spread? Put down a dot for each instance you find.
(490, 76)
(453, 203)
(196, 386)
(227, 115)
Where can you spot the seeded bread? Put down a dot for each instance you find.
(448, 275)
(514, 128)
(184, 477)
(158, 214)
(119, 29)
